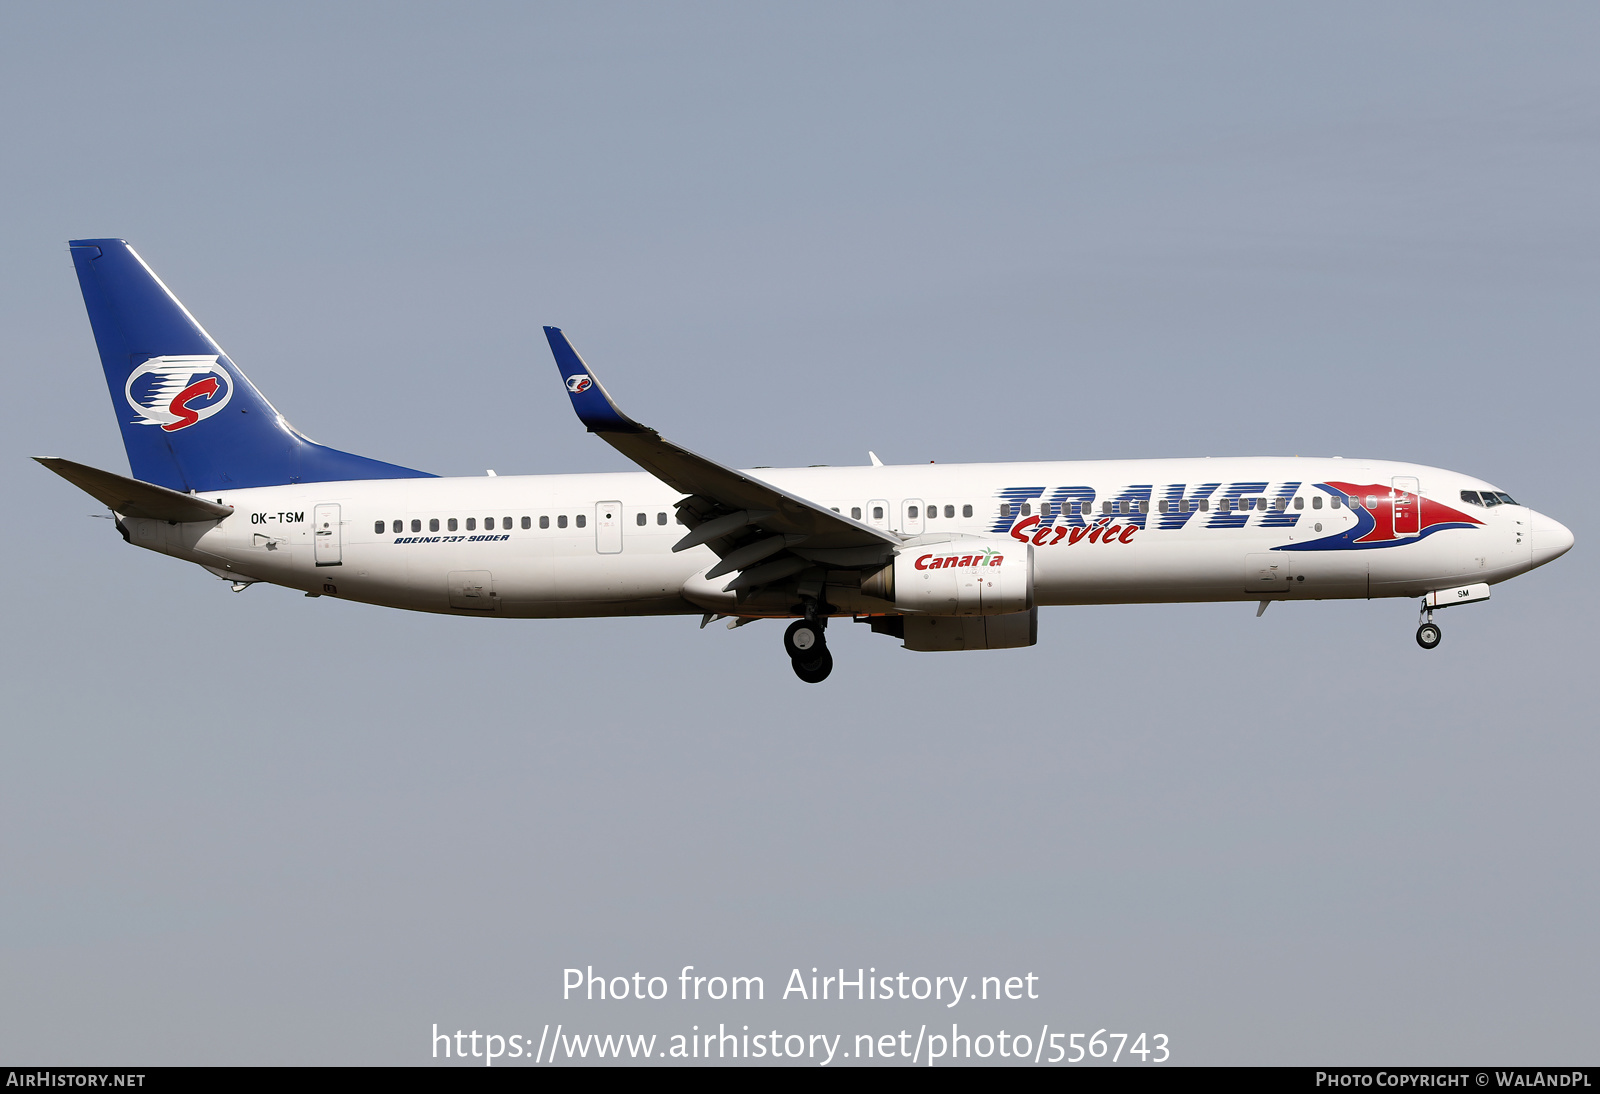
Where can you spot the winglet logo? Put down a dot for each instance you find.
(579, 384)
(165, 391)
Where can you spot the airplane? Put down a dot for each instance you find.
(942, 557)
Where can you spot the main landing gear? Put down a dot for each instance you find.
(808, 650)
(1428, 634)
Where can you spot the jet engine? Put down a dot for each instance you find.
(967, 575)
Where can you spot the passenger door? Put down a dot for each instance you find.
(325, 537)
(1407, 504)
(878, 513)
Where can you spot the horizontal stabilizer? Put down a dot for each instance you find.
(133, 498)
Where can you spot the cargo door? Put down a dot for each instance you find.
(325, 537)
(1407, 506)
(1267, 572)
(608, 527)
(472, 590)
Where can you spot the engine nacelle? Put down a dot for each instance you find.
(968, 575)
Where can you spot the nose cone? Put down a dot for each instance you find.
(1551, 539)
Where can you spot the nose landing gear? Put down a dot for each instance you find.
(808, 650)
(1428, 634)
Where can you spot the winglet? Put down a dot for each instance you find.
(594, 405)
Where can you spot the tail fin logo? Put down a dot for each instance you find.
(579, 384)
(176, 392)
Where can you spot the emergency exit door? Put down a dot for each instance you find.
(325, 537)
(608, 527)
(911, 511)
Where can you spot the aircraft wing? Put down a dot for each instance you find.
(134, 498)
(763, 531)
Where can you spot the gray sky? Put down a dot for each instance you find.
(252, 829)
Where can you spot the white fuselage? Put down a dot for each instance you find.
(600, 544)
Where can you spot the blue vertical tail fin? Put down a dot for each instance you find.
(191, 420)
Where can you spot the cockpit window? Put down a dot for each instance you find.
(1489, 499)
(1505, 499)
(1470, 497)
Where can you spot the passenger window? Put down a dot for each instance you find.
(855, 512)
(966, 510)
(1184, 505)
(911, 512)
(581, 520)
(544, 522)
(1372, 501)
(1105, 507)
(877, 512)
(1299, 503)
(399, 526)
(1161, 506)
(433, 525)
(505, 524)
(451, 524)
(378, 527)
(527, 522)
(1316, 501)
(950, 511)
(661, 518)
(472, 524)
(561, 521)
(1205, 505)
(1144, 505)
(640, 519)
(836, 509)
(416, 526)
(1027, 508)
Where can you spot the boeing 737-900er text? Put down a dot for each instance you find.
(940, 556)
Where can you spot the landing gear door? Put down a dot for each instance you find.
(325, 536)
(1407, 502)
